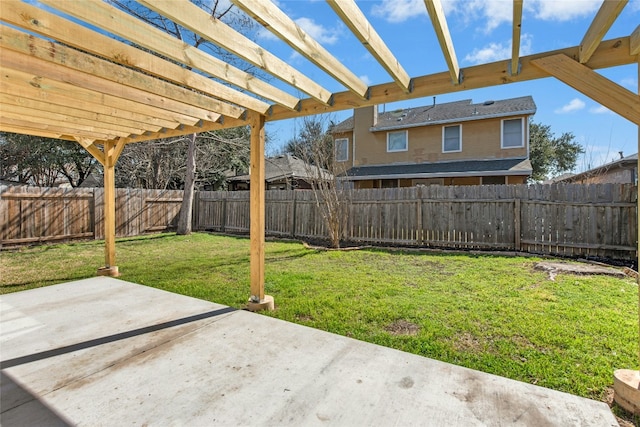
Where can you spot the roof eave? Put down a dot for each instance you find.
(456, 120)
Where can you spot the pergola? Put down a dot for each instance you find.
(68, 79)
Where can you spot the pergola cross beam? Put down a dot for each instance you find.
(439, 21)
(516, 36)
(597, 87)
(606, 16)
(195, 19)
(353, 18)
(276, 21)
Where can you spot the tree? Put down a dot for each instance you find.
(551, 155)
(314, 144)
(162, 164)
(33, 160)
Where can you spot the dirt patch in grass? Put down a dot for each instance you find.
(304, 317)
(403, 327)
(467, 342)
(554, 268)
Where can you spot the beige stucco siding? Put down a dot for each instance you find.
(480, 140)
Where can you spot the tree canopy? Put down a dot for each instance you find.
(46, 162)
(550, 155)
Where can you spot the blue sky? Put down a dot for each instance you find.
(481, 32)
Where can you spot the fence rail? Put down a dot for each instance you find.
(597, 220)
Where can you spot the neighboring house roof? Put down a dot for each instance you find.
(450, 112)
(559, 178)
(283, 167)
(625, 162)
(442, 169)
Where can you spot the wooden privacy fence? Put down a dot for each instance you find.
(33, 214)
(596, 220)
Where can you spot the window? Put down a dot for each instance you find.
(342, 150)
(512, 133)
(397, 141)
(388, 183)
(451, 139)
(493, 180)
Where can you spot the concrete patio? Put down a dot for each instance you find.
(103, 351)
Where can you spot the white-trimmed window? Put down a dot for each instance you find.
(397, 141)
(512, 133)
(452, 139)
(342, 149)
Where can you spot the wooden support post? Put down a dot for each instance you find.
(112, 151)
(517, 231)
(626, 382)
(258, 300)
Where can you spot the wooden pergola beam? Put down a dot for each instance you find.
(610, 53)
(107, 120)
(62, 84)
(115, 21)
(35, 132)
(26, 92)
(97, 68)
(58, 119)
(92, 149)
(79, 37)
(595, 86)
(360, 26)
(606, 16)
(197, 20)
(53, 72)
(516, 35)
(439, 21)
(276, 21)
(634, 44)
(58, 129)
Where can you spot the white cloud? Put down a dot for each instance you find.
(321, 34)
(574, 105)
(397, 11)
(295, 57)
(265, 34)
(498, 51)
(600, 109)
(318, 32)
(629, 82)
(366, 79)
(562, 10)
(494, 12)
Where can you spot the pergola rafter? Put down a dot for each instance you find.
(516, 35)
(107, 79)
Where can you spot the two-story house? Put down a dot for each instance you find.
(455, 143)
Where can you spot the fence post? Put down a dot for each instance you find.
(223, 223)
(420, 236)
(516, 228)
(293, 215)
(195, 211)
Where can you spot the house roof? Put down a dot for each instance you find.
(450, 112)
(625, 162)
(285, 166)
(495, 167)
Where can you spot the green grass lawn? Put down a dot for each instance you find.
(491, 313)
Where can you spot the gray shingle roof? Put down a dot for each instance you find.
(284, 166)
(440, 169)
(449, 112)
(628, 161)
